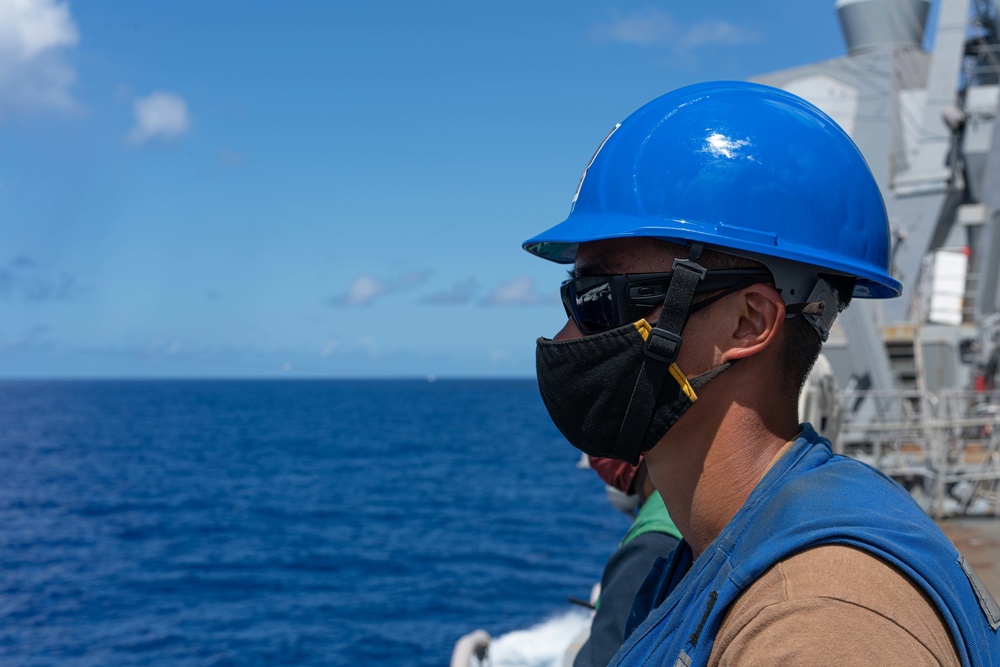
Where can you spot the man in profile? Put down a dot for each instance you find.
(716, 234)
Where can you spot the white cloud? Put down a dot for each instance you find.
(329, 347)
(641, 28)
(159, 116)
(161, 346)
(518, 292)
(719, 33)
(365, 289)
(33, 71)
(654, 27)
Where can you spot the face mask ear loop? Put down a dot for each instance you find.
(661, 349)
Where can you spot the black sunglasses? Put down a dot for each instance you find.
(599, 303)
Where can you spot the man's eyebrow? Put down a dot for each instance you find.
(594, 267)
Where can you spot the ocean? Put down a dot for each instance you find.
(290, 523)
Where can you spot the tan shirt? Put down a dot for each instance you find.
(833, 605)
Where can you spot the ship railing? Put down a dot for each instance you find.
(942, 446)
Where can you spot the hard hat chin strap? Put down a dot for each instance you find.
(661, 349)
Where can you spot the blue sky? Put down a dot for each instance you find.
(321, 189)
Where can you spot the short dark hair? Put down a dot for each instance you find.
(802, 343)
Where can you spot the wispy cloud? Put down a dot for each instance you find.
(329, 347)
(162, 116)
(23, 278)
(460, 293)
(34, 74)
(161, 346)
(654, 27)
(644, 28)
(35, 337)
(517, 292)
(366, 289)
(718, 33)
(362, 292)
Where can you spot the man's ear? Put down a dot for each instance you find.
(757, 314)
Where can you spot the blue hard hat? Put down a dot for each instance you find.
(740, 167)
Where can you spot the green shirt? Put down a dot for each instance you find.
(652, 517)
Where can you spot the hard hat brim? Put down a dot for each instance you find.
(559, 244)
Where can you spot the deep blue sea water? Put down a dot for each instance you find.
(285, 522)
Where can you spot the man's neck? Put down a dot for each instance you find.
(707, 465)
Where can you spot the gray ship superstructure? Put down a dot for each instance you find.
(919, 373)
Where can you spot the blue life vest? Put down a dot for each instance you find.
(810, 497)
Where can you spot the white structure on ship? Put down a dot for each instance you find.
(919, 374)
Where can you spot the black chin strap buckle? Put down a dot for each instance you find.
(692, 265)
(663, 346)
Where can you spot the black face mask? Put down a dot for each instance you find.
(587, 383)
